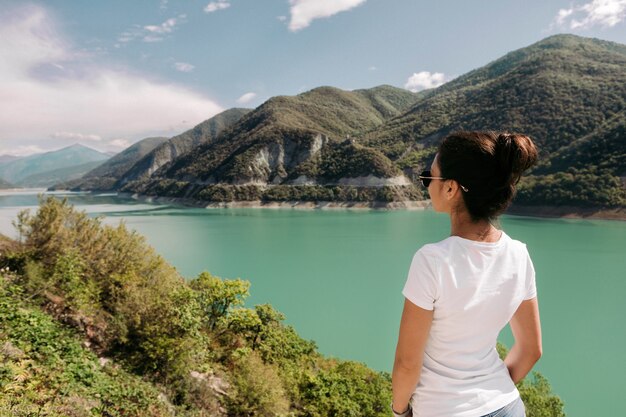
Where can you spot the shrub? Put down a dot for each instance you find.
(345, 388)
(123, 294)
(258, 388)
(216, 296)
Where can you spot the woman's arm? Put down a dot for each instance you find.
(414, 329)
(526, 350)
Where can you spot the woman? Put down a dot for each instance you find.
(462, 291)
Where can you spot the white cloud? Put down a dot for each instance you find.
(184, 67)
(303, 12)
(75, 136)
(281, 18)
(216, 5)
(604, 13)
(50, 92)
(22, 150)
(120, 144)
(373, 68)
(562, 15)
(246, 98)
(152, 33)
(424, 80)
(165, 27)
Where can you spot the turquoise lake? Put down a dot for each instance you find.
(338, 274)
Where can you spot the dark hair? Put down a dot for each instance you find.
(489, 165)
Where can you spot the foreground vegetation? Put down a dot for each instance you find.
(93, 322)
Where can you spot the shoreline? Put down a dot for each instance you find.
(557, 212)
(569, 212)
(540, 211)
(291, 204)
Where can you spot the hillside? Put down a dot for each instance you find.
(557, 90)
(5, 184)
(53, 176)
(17, 171)
(205, 132)
(603, 148)
(7, 158)
(568, 93)
(292, 142)
(104, 176)
(93, 322)
(368, 146)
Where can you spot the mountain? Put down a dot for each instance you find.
(567, 92)
(7, 158)
(54, 176)
(19, 170)
(557, 90)
(205, 132)
(4, 184)
(105, 175)
(603, 148)
(285, 134)
(306, 139)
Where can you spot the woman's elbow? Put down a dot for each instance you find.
(534, 353)
(408, 363)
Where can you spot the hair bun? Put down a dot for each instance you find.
(489, 164)
(515, 153)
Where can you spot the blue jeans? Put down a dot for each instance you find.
(513, 409)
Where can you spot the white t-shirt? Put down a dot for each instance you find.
(474, 289)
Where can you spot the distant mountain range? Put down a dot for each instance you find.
(104, 176)
(8, 158)
(204, 133)
(568, 93)
(4, 184)
(45, 169)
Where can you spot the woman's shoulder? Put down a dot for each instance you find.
(435, 249)
(456, 244)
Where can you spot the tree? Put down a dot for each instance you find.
(217, 296)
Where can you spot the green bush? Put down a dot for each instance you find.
(125, 296)
(45, 370)
(588, 187)
(216, 296)
(345, 388)
(258, 388)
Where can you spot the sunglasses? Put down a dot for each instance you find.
(426, 178)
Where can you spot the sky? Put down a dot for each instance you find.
(107, 74)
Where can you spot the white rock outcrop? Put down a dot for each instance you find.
(373, 181)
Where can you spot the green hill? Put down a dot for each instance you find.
(18, 171)
(48, 178)
(567, 92)
(289, 142)
(5, 184)
(603, 148)
(104, 176)
(7, 158)
(205, 132)
(557, 90)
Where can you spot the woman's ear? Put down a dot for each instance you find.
(452, 187)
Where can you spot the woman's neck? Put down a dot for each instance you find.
(462, 225)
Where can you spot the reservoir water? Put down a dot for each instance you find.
(338, 274)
